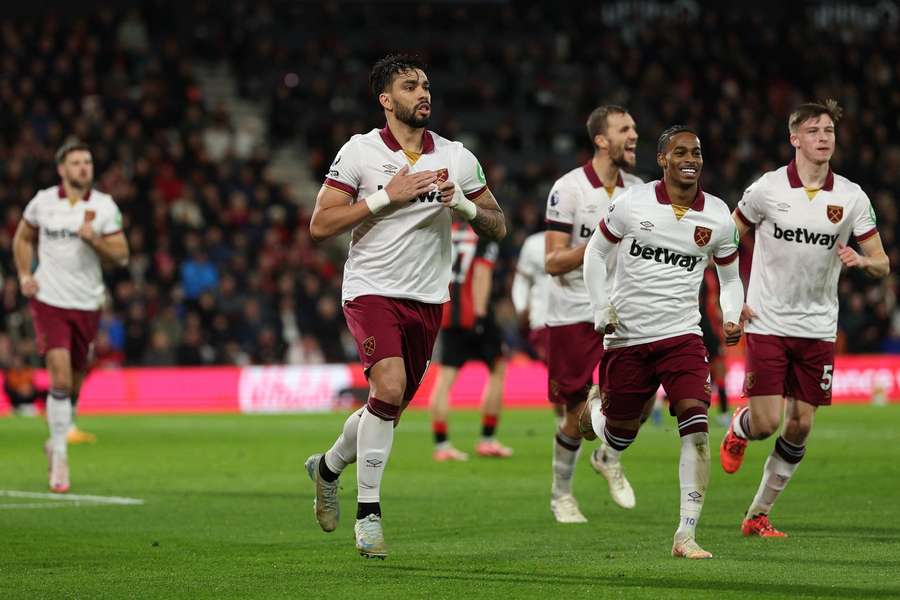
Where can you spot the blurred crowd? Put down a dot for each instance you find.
(223, 270)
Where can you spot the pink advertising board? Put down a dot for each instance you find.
(307, 388)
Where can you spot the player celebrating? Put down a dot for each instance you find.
(663, 234)
(804, 216)
(469, 332)
(577, 201)
(396, 188)
(75, 228)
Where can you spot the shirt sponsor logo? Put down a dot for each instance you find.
(801, 235)
(60, 234)
(665, 256)
(585, 232)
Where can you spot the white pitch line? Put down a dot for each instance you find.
(72, 498)
(41, 505)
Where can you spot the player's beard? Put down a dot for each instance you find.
(618, 158)
(80, 184)
(408, 116)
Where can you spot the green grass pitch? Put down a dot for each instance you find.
(228, 513)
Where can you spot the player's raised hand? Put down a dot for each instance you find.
(851, 257)
(404, 186)
(28, 285)
(747, 315)
(86, 231)
(447, 190)
(732, 333)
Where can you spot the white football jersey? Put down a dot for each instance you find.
(68, 272)
(794, 277)
(404, 251)
(533, 280)
(577, 202)
(660, 261)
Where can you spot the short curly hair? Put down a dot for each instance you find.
(386, 69)
(669, 133)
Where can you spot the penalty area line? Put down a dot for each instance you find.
(66, 499)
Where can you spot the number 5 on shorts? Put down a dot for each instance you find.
(827, 376)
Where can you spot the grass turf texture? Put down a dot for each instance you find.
(228, 513)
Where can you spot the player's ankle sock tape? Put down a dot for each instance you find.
(489, 425)
(383, 410)
(791, 453)
(326, 473)
(59, 394)
(569, 443)
(364, 509)
(617, 438)
(745, 423)
(693, 420)
(439, 428)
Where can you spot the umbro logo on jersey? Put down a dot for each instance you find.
(801, 235)
(783, 206)
(646, 225)
(664, 255)
(390, 169)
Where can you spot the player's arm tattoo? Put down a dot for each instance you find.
(489, 221)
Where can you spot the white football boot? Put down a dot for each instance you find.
(326, 505)
(619, 488)
(565, 509)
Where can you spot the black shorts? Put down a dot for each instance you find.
(460, 345)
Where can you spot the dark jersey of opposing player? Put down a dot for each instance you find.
(468, 249)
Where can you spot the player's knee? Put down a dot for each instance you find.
(797, 428)
(764, 424)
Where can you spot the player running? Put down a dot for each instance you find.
(75, 227)
(663, 234)
(469, 332)
(577, 202)
(804, 216)
(397, 189)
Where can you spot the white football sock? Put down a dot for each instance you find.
(564, 461)
(343, 452)
(693, 476)
(776, 474)
(373, 447)
(59, 419)
(598, 419)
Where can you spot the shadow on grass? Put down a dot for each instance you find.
(803, 590)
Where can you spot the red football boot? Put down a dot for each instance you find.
(759, 525)
(731, 452)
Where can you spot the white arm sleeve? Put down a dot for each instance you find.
(731, 292)
(595, 277)
(520, 292)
